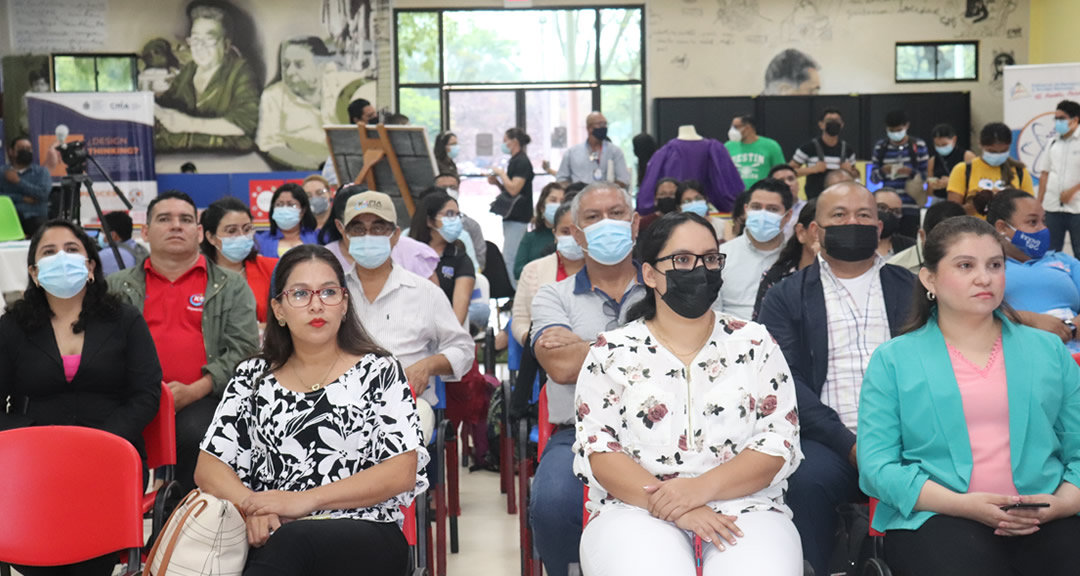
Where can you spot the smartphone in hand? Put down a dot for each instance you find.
(1023, 505)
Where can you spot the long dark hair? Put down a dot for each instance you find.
(32, 312)
(650, 246)
(431, 202)
(538, 217)
(211, 219)
(351, 336)
(329, 232)
(1003, 205)
(440, 147)
(791, 255)
(307, 219)
(937, 244)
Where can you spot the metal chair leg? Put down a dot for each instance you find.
(440, 499)
(452, 487)
(506, 458)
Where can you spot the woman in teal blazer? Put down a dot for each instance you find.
(915, 452)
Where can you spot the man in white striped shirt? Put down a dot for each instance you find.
(407, 315)
(828, 319)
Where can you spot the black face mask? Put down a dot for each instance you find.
(889, 223)
(665, 205)
(24, 157)
(851, 242)
(690, 293)
(600, 133)
(833, 128)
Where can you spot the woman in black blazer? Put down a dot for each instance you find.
(71, 354)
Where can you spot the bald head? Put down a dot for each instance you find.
(838, 176)
(595, 120)
(846, 203)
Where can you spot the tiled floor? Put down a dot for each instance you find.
(489, 537)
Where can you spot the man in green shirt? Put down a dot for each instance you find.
(753, 155)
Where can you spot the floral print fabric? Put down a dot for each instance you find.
(635, 397)
(301, 441)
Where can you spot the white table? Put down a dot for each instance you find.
(13, 275)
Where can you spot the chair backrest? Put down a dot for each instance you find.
(160, 435)
(67, 494)
(545, 427)
(513, 350)
(495, 271)
(10, 227)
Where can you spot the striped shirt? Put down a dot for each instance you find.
(888, 156)
(812, 153)
(412, 319)
(857, 325)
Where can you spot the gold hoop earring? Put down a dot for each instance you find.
(91, 280)
(281, 322)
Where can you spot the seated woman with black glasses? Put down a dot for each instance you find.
(321, 427)
(686, 426)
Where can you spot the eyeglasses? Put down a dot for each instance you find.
(301, 297)
(377, 229)
(683, 262)
(898, 212)
(203, 41)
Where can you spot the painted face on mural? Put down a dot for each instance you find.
(298, 69)
(207, 42)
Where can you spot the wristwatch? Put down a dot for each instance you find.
(1071, 326)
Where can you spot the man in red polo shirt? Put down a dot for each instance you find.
(201, 316)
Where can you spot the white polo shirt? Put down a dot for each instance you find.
(1061, 159)
(742, 275)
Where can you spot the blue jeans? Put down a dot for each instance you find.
(555, 506)
(1059, 223)
(513, 232)
(822, 482)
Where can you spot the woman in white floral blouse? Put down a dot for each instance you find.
(686, 426)
(317, 439)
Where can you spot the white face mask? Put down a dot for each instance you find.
(734, 134)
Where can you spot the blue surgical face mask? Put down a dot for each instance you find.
(945, 150)
(63, 274)
(505, 148)
(549, 213)
(1061, 126)
(369, 251)
(699, 207)
(763, 225)
(995, 158)
(569, 248)
(101, 241)
(237, 248)
(610, 241)
(898, 135)
(451, 228)
(453, 152)
(1034, 245)
(287, 217)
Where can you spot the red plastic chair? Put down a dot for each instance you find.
(160, 440)
(68, 494)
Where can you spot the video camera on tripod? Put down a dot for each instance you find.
(75, 157)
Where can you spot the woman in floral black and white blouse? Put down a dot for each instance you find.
(320, 427)
(686, 426)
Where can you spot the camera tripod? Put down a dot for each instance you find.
(75, 156)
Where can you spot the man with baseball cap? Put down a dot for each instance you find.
(407, 315)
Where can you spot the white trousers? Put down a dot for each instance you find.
(628, 541)
(427, 418)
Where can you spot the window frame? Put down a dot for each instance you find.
(937, 50)
(445, 87)
(95, 56)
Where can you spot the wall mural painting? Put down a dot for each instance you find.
(211, 95)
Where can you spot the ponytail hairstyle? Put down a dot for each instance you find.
(650, 246)
(937, 245)
(519, 135)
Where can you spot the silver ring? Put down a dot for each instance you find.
(271, 532)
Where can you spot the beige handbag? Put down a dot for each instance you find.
(205, 535)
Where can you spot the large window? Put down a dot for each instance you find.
(545, 70)
(94, 72)
(937, 62)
